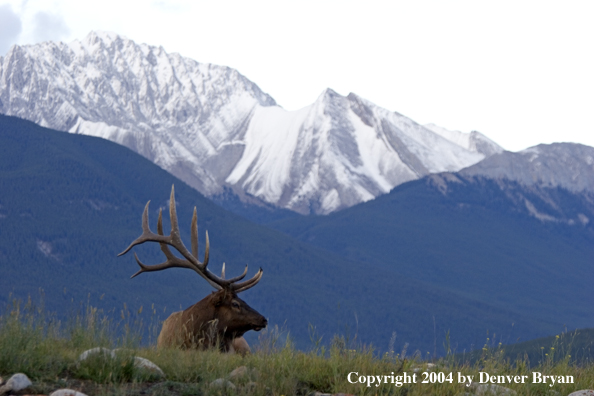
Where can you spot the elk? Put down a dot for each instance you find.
(221, 318)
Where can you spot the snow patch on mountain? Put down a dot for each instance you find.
(473, 141)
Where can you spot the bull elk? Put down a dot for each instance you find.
(221, 318)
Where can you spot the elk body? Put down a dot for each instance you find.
(182, 323)
(218, 320)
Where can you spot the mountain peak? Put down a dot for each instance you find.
(104, 36)
(328, 95)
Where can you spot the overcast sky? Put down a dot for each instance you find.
(521, 72)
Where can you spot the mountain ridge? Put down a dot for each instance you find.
(568, 165)
(213, 128)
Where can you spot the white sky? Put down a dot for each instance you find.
(521, 72)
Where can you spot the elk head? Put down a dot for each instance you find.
(218, 318)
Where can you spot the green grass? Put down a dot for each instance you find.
(47, 350)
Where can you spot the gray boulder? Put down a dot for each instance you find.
(66, 392)
(16, 383)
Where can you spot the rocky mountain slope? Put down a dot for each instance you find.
(567, 165)
(213, 128)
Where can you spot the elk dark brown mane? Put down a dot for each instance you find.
(221, 318)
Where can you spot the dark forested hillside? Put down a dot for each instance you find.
(70, 203)
(529, 249)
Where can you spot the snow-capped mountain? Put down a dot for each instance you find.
(172, 110)
(213, 128)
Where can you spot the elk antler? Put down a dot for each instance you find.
(190, 260)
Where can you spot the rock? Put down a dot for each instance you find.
(342, 394)
(585, 392)
(66, 392)
(222, 383)
(148, 366)
(16, 383)
(493, 390)
(319, 394)
(95, 351)
(139, 362)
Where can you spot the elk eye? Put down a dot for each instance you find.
(235, 304)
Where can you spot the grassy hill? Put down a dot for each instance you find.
(70, 203)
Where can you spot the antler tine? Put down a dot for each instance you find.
(239, 287)
(175, 239)
(164, 247)
(160, 222)
(240, 277)
(235, 279)
(194, 234)
(173, 213)
(206, 252)
(147, 234)
(206, 274)
(142, 269)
